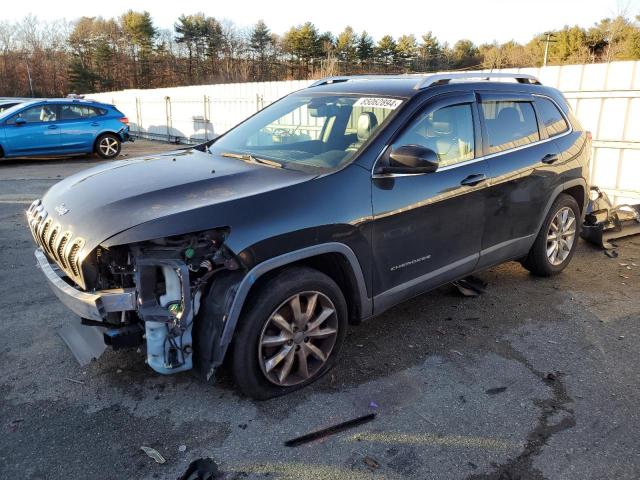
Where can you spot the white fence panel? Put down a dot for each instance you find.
(604, 97)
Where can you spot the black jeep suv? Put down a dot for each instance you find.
(326, 208)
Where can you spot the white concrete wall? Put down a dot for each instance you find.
(605, 98)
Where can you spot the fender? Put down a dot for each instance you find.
(557, 191)
(365, 303)
(104, 131)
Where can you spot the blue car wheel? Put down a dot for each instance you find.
(108, 146)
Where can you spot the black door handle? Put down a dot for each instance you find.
(473, 180)
(549, 158)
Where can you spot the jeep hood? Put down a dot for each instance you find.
(101, 202)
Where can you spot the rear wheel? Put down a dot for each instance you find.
(290, 335)
(108, 146)
(557, 240)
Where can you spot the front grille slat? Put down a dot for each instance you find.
(42, 237)
(62, 243)
(59, 244)
(52, 239)
(73, 257)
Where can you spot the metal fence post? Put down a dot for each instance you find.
(206, 118)
(167, 107)
(138, 115)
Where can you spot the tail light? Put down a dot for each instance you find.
(124, 120)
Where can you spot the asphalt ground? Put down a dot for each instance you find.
(534, 379)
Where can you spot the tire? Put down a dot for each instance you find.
(260, 339)
(108, 146)
(540, 261)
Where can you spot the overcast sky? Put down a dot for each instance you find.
(450, 20)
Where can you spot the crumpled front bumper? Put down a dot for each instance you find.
(93, 306)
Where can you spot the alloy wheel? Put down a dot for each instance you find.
(561, 236)
(297, 339)
(108, 146)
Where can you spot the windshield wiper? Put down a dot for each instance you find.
(247, 157)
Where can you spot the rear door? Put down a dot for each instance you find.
(523, 164)
(33, 131)
(428, 227)
(79, 126)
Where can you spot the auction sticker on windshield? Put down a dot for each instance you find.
(378, 102)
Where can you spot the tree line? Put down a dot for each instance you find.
(94, 54)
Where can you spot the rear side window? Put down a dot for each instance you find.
(447, 131)
(510, 124)
(72, 112)
(554, 122)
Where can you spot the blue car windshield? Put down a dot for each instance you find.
(309, 132)
(10, 111)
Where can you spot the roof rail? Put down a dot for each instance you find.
(364, 76)
(444, 78)
(425, 80)
(329, 80)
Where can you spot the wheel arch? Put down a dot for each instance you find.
(334, 259)
(577, 188)
(579, 193)
(102, 134)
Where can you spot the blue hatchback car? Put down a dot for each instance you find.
(61, 127)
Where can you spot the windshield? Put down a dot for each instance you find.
(309, 132)
(6, 106)
(7, 112)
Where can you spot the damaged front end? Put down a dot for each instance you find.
(146, 293)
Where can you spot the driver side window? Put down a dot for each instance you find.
(37, 114)
(448, 131)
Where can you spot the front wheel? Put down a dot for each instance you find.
(557, 240)
(291, 333)
(108, 146)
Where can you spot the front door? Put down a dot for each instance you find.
(33, 131)
(428, 227)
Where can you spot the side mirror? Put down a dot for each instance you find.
(412, 159)
(20, 121)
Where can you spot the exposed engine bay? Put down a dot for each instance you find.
(170, 276)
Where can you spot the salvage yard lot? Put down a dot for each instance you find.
(537, 378)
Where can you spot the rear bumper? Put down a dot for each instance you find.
(125, 134)
(94, 306)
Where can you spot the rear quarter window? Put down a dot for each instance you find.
(553, 120)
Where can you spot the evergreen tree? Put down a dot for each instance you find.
(407, 49)
(365, 48)
(139, 33)
(260, 42)
(431, 52)
(347, 45)
(386, 50)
